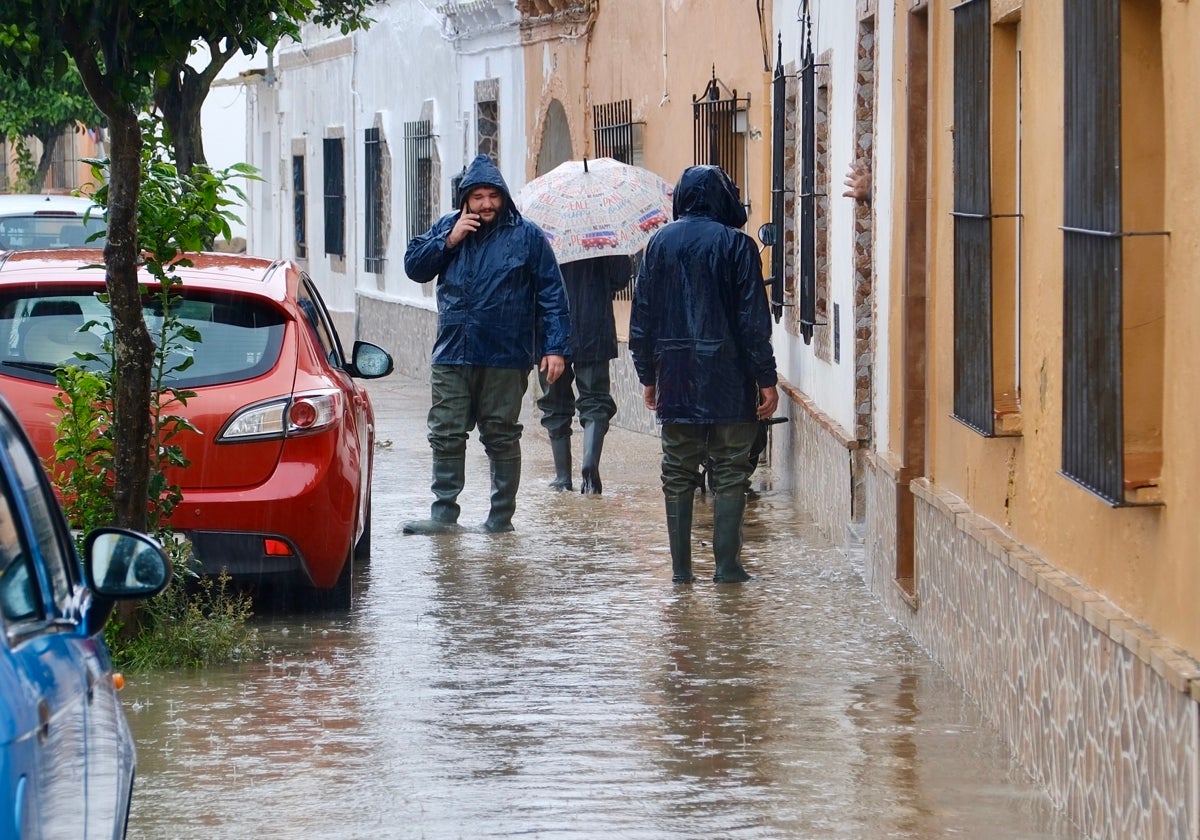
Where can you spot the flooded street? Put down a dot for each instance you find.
(553, 683)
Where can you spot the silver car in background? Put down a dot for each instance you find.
(50, 221)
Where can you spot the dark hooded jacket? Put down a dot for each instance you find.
(700, 328)
(591, 285)
(501, 300)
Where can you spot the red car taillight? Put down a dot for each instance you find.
(298, 414)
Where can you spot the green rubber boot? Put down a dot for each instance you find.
(449, 475)
(561, 448)
(506, 478)
(728, 511)
(593, 445)
(679, 534)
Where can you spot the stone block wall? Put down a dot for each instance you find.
(1103, 713)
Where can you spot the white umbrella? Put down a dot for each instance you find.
(596, 208)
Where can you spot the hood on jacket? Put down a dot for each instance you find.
(707, 191)
(481, 172)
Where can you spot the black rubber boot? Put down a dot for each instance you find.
(449, 475)
(728, 512)
(506, 478)
(593, 445)
(679, 534)
(561, 447)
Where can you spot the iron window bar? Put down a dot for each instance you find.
(373, 243)
(299, 215)
(335, 197)
(808, 175)
(719, 128)
(615, 132)
(418, 176)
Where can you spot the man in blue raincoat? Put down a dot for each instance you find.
(700, 337)
(502, 309)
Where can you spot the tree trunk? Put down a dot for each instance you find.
(39, 176)
(180, 100)
(133, 347)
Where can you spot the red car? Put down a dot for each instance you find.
(278, 485)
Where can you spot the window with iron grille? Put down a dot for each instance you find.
(823, 338)
(1112, 420)
(375, 221)
(62, 161)
(418, 169)
(972, 214)
(335, 196)
(805, 313)
(719, 124)
(615, 133)
(299, 215)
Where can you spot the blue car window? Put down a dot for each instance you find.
(48, 534)
(18, 584)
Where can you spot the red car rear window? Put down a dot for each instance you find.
(239, 338)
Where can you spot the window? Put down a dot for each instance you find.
(62, 161)
(1112, 203)
(375, 229)
(242, 336)
(299, 216)
(317, 317)
(805, 313)
(972, 216)
(616, 134)
(487, 118)
(20, 599)
(986, 215)
(418, 154)
(48, 531)
(823, 344)
(335, 197)
(719, 125)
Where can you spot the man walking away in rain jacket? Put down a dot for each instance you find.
(700, 336)
(591, 285)
(502, 309)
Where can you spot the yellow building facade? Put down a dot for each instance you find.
(621, 80)
(1032, 515)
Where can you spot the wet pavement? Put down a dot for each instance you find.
(553, 683)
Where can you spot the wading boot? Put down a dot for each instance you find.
(728, 511)
(679, 535)
(593, 445)
(561, 448)
(449, 474)
(506, 478)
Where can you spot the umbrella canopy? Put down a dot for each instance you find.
(596, 208)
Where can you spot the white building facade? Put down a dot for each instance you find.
(359, 138)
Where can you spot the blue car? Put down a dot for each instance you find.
(66, 754)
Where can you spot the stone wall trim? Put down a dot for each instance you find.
(826, 422)
(1174, 665)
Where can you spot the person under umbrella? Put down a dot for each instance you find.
(591, 285)
(596, 215)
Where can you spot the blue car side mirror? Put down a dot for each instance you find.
(123, 564)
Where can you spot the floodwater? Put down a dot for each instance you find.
(553, 683)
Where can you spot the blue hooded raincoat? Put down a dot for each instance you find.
(501, 300)
(700, 328)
